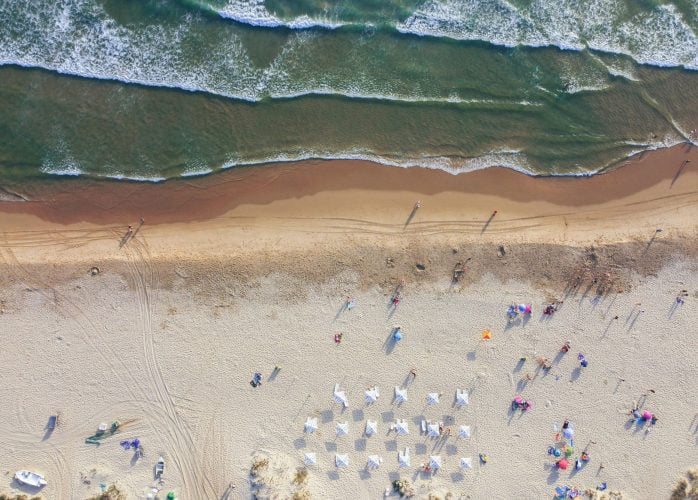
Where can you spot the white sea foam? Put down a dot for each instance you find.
(64, 169)
(660, 37)
(138, 178)
(512, 159)
(59, 160)
(653, 144)
(577, 79)
(617, 68)
(507, 158)
(254, 13)
(80, 38)
(59, 39)
(196, 173)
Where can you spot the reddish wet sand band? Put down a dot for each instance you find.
(301, 205)
(68, 201)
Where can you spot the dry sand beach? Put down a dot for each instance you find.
(250, 270)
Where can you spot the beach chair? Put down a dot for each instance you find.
(458, 271)
(159, 468)
(52, 420)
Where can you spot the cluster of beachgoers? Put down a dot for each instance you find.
(503, 337)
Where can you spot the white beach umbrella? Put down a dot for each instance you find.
(342, 428)
(309, 458)
(433, 398)
(372, 395)
(374, 461)
(435, 461)
(371, 427)
(310, 424)
(461, 398)
(403, 458)
(464, 431)
(433, 430)
(401, 427)
(341, 460)
(400, 395)
(466, 463)
(340, 396)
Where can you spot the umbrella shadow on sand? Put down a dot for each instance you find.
(365, 474)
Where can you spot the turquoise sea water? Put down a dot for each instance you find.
(153, 89)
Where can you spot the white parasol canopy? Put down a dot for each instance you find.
(401, 427)
(433, 430)
(374, 461)
(309, 458)
(400, 395)
(310, 424)
(403, 458)
(466, 463)
(461, 397)
(371, 427)
(433, 398)
(342, 428)
(372, 395)
(464, 431)
(341, 460)
(435, 461)
(340, 396)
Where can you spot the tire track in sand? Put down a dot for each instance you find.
(87, 329)
(196, 483)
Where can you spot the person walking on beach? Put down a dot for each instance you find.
(126, 237)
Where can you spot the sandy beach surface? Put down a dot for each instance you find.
(251, 269)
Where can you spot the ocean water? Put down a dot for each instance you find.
(156, 89)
